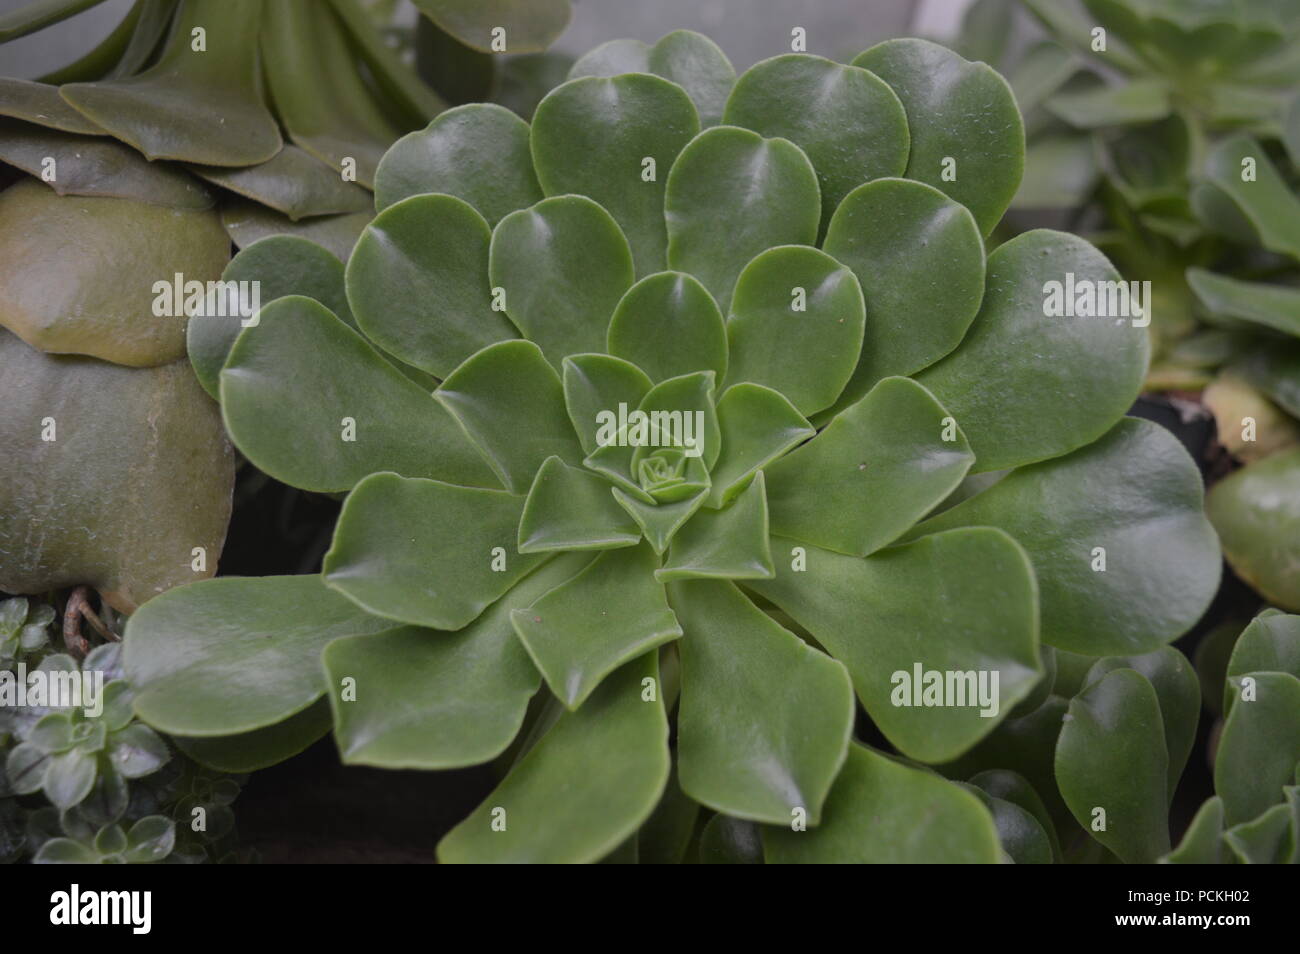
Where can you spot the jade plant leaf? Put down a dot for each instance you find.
(967, 138)
(668, 325)
(393, 529)
(1260, 744)
(1255, 511)
(364, 415)
(881, 811)
(136, 474)
(617, 743)
(183, 105)
(1112, 766)
(765, 720)
(60, 253)
(731, 195)
(848, 121)
(477, 152)
(607, 139)
(292, 182)
(534, 24)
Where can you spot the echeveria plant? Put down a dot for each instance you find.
(735, 421)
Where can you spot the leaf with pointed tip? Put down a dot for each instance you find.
(668, 325)
(1012, 787)
(1260, 210)
(1111, 756)
(881, 811)
(584, 629)
(248, 222)
(687, 394)
(140, 473)
(660, 522)
(959, 111)
(511, 404)
(400, 84)
(529, 26)
(1099, 362)
(796, 326)
(877, 468)
(1162, 558)
(593, 136)
(41, 103)
(563, 265)
(292, 182)
(731, 543)
(1020, 834)
(1103, 106)
(395, 425)
(847, 120)
(732, 194)
(600, 382)
(919, 259)
(434, 700)
(570, 509)
(765, 720)
(185, 105)
(1269, 839)
(1259, 746)
(477, 152)
(730, 841)
(689, 59)
(888, 614)
(418, 283)
(757, 425)
(1202, 843)
(60, 256)
(1256, 511)
(260, 748)
(1271, 643)
(38, 14)
(425, 552)
(227, 656)
(1179, 692)
(1273, 306)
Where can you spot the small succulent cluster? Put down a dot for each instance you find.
(82, 781)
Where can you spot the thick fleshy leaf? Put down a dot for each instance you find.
(732, 194)
(280, 265)
(1060, 172)
(1267, 840)
(757, 426)
(571, 509)
(687, 394)
(659, 522)
(1256, 511)
(364, 415)
(69, 778)
(1112, 766)
(668, 325)
(1273, 368)
(731, 543)
(138, 473)
(248, 222)
(1273, 306)
(666, 835)
(765, 720)
(796, 326)
(877, 468)
(232, 655)
(966, 133)
(292, 182)
(1256, 208)
(919, 259)
(185, 105)
(416, 698)
(1020, 834)
(530, 25)
(881, 811)
(418, 283)
(730, 841)
(889, 619)
(1160, 554)
(1103, 106)
(562, 265)
(614, 140)
(1087, 368)
(400, 84)
(689, 59)
(60, 256)
(1202, 843)
(511, 404)
(1012, 787)
(584, 629)
(477, 152)
(41, 103)
(136, 751)
(848, 121)
(599, 382)
(1260, 745)
(264, 747)
(1271, 643)
(425, 552)
(617, 744)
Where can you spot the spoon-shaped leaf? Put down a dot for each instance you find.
(292, 182)
(1273, 306)
(248, 222)
(757, 426)
(1009, 786)
(1259, 209)
(1202, 843)
(1256, 511)
(1260, 744)
(1020, 834)
(1271, 643)
(41, 103)
(571, 509)
(260, 748)
(600, 382)
(731, 543)
(668, 325)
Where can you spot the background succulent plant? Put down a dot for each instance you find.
(905, 462)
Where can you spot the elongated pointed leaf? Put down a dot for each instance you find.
(1256, 511)
(1245, 197)
(876, 469)
(668, 325)
(887, 616)
(425, 552)
(1202, 843)
(757, 426)
(659, 522)
(1260, 744)
(731, 543)
(1271, 643)
(400, 83)
(599, 382)
(571, 509)
(1137, 101)
(41, 103)
(1273, 306)
(292, 182)
(584, 629)
(1267, 840)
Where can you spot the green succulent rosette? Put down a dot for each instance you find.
(735, 420)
